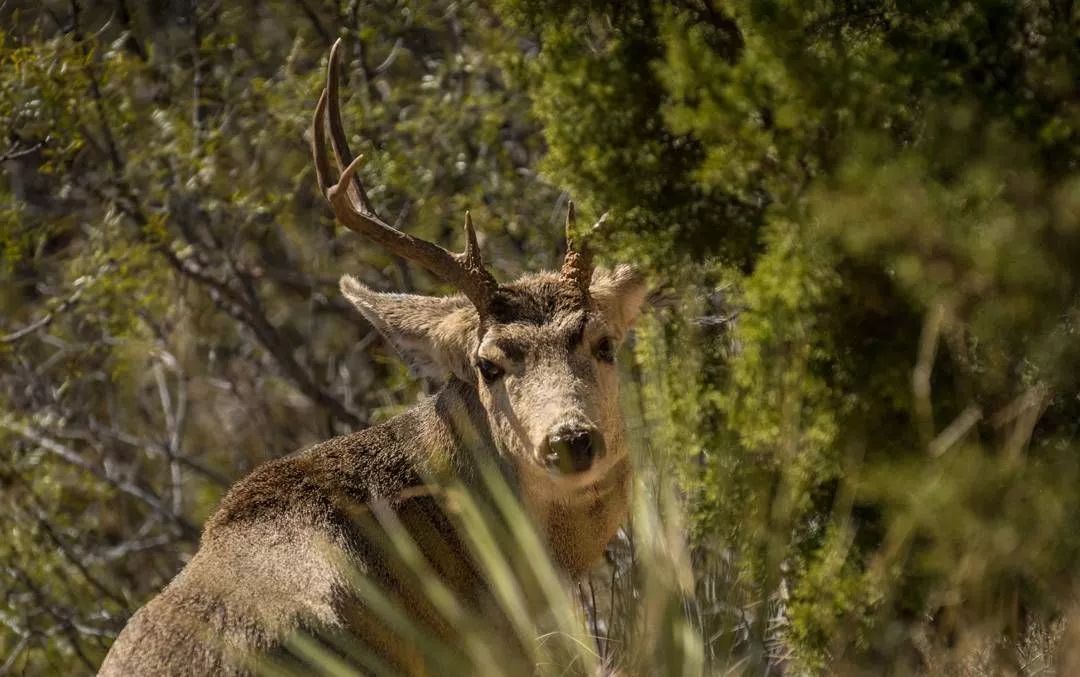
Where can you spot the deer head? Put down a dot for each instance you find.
(538, 351)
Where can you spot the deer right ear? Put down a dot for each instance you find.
(620, 292)
(433, 334)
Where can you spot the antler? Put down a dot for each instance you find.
(577, 266)
(349, 200)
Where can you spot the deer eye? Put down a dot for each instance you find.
(488, 369)
(604, 350)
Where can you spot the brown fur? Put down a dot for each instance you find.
(277, 556)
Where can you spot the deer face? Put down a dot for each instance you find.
(545, 370)
(539, 351)
(542, 361)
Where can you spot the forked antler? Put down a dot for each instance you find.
(465, 271)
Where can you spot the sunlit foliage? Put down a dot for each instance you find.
(888, 453)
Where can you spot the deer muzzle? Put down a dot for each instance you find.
(572, 450)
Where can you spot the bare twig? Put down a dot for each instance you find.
(9, 662)
(96, 430)
(174, 426)
(1024, 413)
(955, 431)
(68, 553)
(70, 632)
(924, 368)
(390, 58)
(15, 153)
(47, 318)
(316, 23)
(72, 457)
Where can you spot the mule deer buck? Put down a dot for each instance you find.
(530, 384)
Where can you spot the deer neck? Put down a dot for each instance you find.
(455, 424)
(578, 523)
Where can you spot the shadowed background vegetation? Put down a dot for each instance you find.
(863, 387)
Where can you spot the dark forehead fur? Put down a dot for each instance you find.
(538, 299)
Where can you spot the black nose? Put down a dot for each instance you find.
(572, 450)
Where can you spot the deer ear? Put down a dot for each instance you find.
(435, 335)
(620, 293)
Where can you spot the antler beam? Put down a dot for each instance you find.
(353, 209)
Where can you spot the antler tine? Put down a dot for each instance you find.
(318, 146)
(338, 139)
(352, 208)
(577, 266)
(471, 257)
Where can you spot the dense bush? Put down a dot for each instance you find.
(887, 197)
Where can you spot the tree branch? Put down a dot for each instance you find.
(72, 457)
(48, 317)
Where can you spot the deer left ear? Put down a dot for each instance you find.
(620, 293)
(433, 334)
